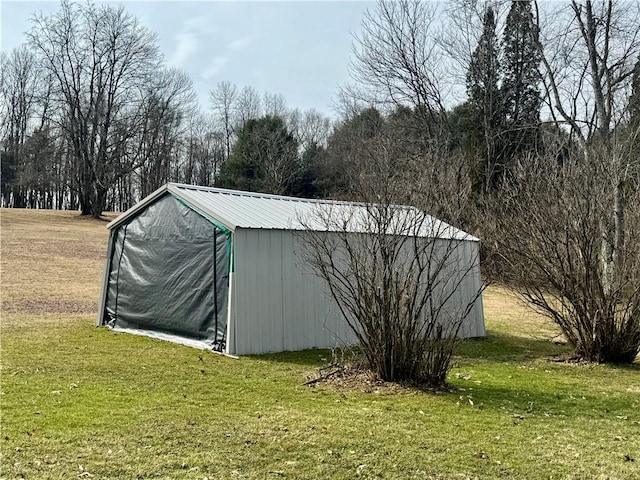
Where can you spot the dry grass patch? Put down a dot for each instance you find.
(37, 324)
(505, 312)
(51, 261)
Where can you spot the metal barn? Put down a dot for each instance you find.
(218, 269)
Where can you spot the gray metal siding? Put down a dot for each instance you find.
(257, 293)
(278, 305)
(459, 285)
(307, 297)
(467, 256)
(476, 318)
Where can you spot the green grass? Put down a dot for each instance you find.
(84, 402)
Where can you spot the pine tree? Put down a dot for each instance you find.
(263, 159)
(484, 105)
(521, 78)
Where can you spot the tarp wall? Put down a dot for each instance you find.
(168, 276)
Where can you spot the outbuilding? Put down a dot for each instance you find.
(220, 269)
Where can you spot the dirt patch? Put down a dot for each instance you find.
(40, 323)
(48, 306)
(67, 249)
(359, 379)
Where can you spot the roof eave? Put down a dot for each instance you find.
(122, 218)
(174, 189)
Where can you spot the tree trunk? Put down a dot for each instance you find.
(85, 204)
(98, 202)
(619, 225)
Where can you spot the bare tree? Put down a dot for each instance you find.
(341, 164)
(396, 60)
(206, 150)
(349, 102)
(549, 231)
(223, 99)
(274, 105)
(310, 127)
(100, 59)
(19, 90)
(248, 106)
(588, 66)
(464, 20)
(169, 100)
(570, 247)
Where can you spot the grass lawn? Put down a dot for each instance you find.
(84, 402)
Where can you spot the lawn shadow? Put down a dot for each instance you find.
(496, 346)
(537, 398)
(500, 346)
(314, 357)
(565, 392)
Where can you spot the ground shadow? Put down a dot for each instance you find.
(537, 399)
(496, 346)
(314, 357)
(499, 346)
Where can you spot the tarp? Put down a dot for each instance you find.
(169, 275)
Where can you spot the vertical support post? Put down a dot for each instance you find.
(105, 281)
(230, 347)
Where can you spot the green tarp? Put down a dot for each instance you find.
(168, 276)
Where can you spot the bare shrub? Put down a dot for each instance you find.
(550, 233)
(401, 278)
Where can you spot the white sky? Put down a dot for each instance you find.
(299, 49)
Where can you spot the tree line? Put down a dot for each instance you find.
(517, 121)
(93, 119)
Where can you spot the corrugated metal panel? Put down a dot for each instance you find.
(307, 297)
(257, 292)
(474, 327)
(463, 275)
(278, 305)
(237, 209)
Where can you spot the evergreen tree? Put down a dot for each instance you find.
(263, 159)
(521, 78)
(485, 108)
(521, 74)
(306, 183)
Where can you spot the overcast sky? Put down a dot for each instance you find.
(299, 49)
